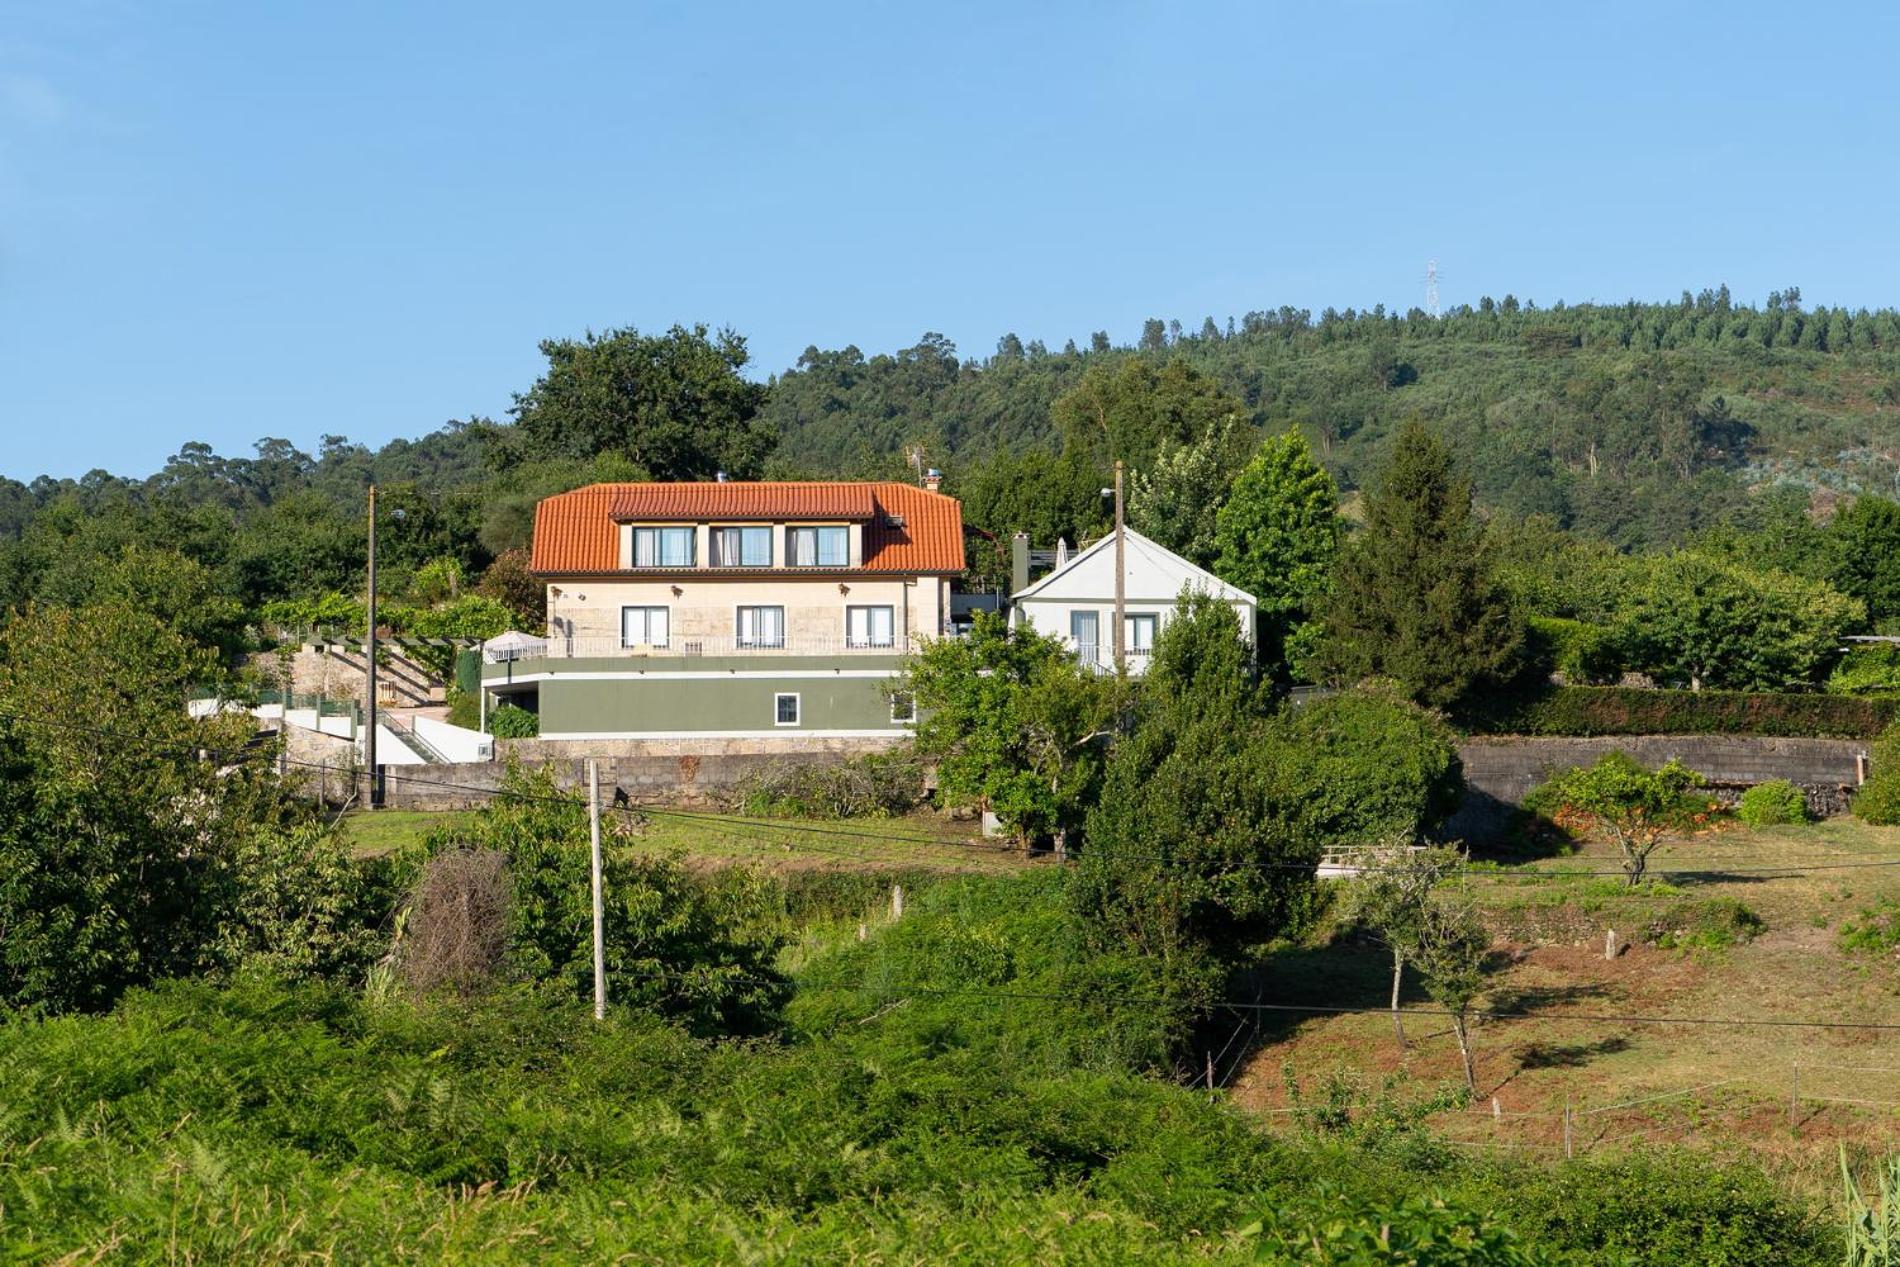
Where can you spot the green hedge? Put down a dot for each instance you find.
(1620, 710)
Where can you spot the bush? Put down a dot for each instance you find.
(1365, 767)
(513, 722)
(1707, 925)
(875, 785)
(1876, 930)
(1773, 804)
(1877, 801)
(1614, 710)
(1868, 669)
(465, 708)
(302, 906)
(1585, 654)
(698, 948)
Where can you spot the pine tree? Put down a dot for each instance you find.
(1415, 599)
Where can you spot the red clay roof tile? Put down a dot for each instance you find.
(906, 529)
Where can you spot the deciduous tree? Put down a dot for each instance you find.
(674, 403)
(1277, 536)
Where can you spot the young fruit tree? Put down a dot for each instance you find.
(1638, 808)
(1392, 899)
(1452, 949)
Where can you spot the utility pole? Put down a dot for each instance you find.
(600, 944)
(369, 666)
(1121, 577)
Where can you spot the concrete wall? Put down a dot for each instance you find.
(630, 772)
(1499, 771)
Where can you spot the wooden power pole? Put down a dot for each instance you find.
(600, 942)
(1121, 577)
(369, 665)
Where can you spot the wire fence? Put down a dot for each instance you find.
(1689, 1113)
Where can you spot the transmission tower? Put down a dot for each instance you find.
(1431, 287)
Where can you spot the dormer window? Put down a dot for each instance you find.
(663, 547)
(741, 547)
(820, 547)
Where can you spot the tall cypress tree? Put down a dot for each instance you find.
(1415, 598)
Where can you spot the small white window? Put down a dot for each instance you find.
(761, 627)
(741, 547)
(663, 547)
(1140, 634)
(785, 709)
(903, 708)
(820, 547)
(868, 626)
(644, 626)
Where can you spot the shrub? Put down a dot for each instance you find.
(302, 906)
(1773, 804)
(1876, 930)
(875, 785)
(1614, 710)
(1877, 801)
(1707, 925)
(694, 947)
(513, 722)
(455, 935)
(1585, 654)
(1869, 669)
(465, 708)
(1366, 766)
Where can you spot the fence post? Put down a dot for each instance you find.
(600, 945)
(1569, 1152)
(897, 901)
(1794, 1099)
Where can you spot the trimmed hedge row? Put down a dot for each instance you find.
(1621, 710)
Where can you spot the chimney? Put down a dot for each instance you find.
(1019, 563)
(933, 479)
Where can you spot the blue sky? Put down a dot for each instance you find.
(220, 221)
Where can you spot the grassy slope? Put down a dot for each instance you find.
(922, 840)
(1536, 1064)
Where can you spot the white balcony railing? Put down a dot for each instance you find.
(592, 646)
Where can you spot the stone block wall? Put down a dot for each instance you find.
(1499, 771)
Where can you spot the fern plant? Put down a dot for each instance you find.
(1873, 1229)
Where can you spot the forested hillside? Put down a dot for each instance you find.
(1638, 423)
(1644, 425)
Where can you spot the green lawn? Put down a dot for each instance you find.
(918, 840)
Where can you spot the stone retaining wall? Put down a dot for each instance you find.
(631, 772)
(1499, 771)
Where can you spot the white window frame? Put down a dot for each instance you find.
(646, 625)
(1131, 622)
(717, 555)
(798, 708)
(659, 532)
(1087, 652)
(870, 634)
(817, 532)
(911, 718)
(739, 639)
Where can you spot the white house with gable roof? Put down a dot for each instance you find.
(1076, 602)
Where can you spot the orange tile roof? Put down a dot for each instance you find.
(704, 503)
(577, 532)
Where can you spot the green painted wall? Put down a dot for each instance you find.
(712, 700)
